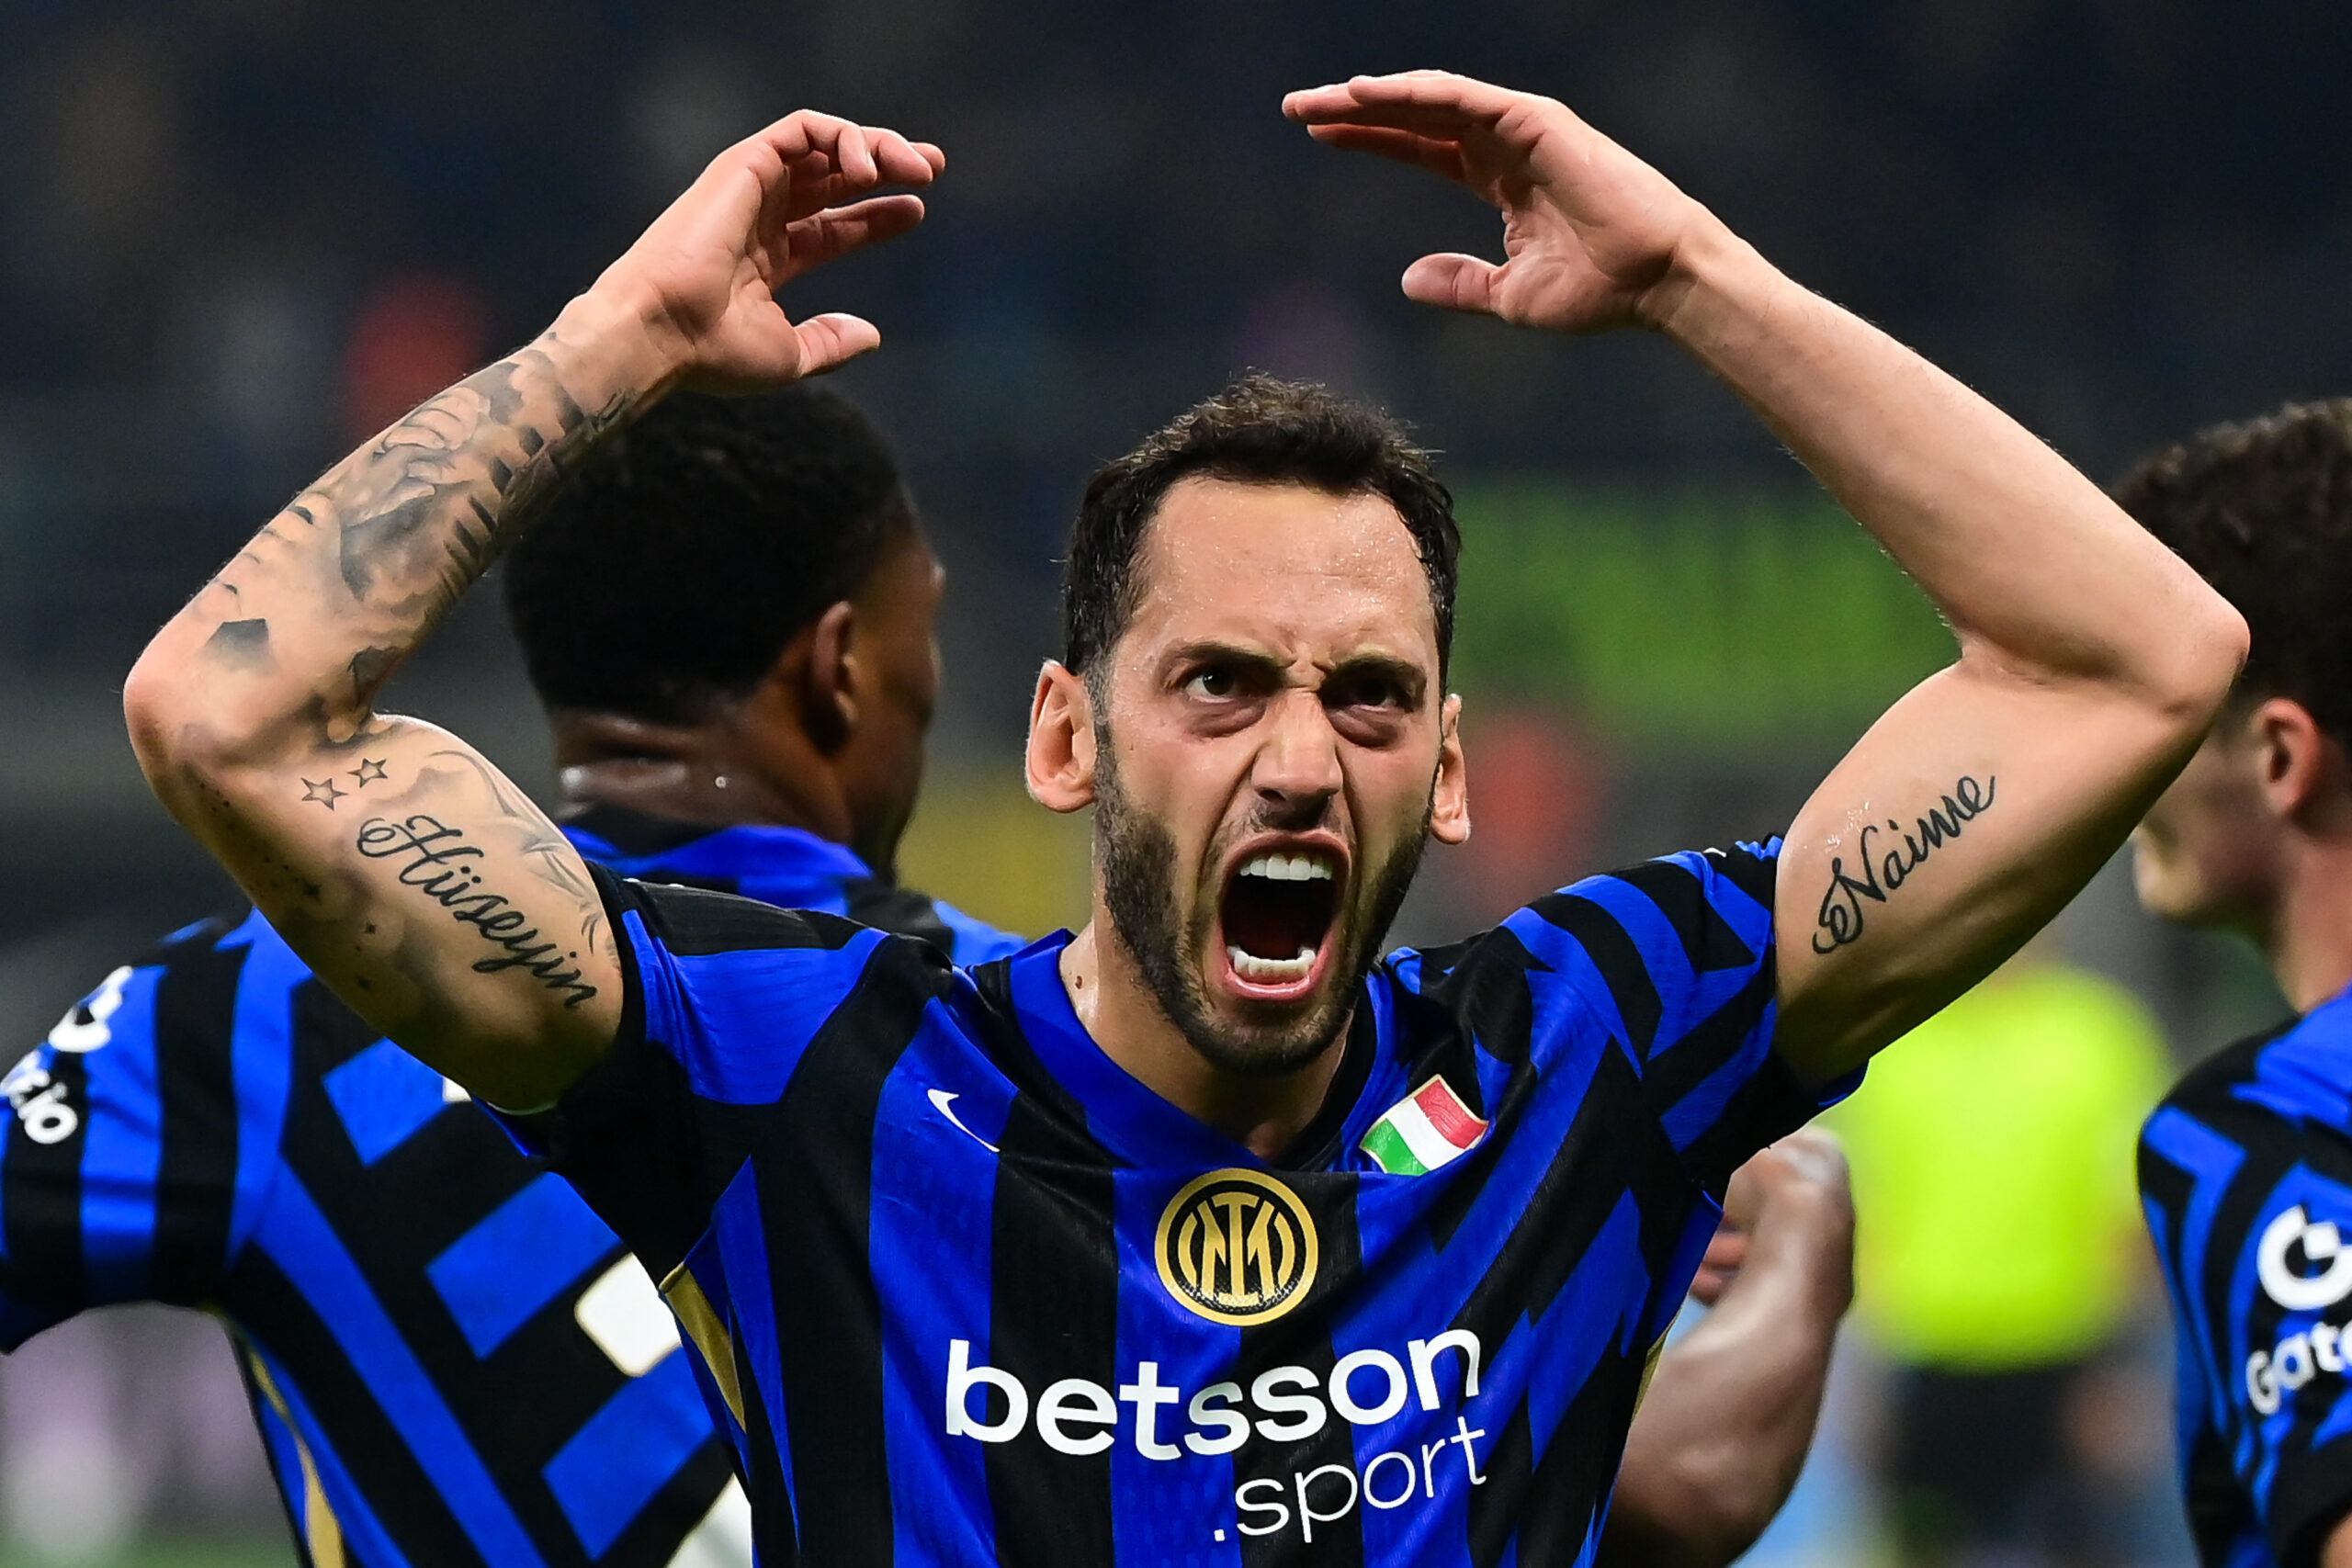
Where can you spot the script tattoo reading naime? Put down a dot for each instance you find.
(1886, 868)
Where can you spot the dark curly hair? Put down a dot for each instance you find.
(2263, 510)
(670, 570)
(1259, 429)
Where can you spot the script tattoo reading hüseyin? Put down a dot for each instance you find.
(435, 865)
(1887, 865)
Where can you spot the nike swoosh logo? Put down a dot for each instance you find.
(942, 1102)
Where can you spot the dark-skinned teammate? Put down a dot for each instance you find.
(1207, 1233)
(451, 1359)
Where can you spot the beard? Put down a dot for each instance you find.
(1137, 854)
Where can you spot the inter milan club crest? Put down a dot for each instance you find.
(1236, 1247)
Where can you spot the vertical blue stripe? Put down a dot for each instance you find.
(529, 1250)
(301, 1243)
(122, 1149)
(934, 1196)
(610, 1469)
(263, 1047)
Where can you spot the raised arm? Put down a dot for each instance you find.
(2091, 659)
(416, 881)
(1722, 1435)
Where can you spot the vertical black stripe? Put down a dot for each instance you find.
(1054, 1314)
(774, 1542)
(1303, 1338)
(43, 1199)
(816, 1187)
(196, 1178)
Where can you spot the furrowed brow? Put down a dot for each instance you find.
(1408, 677)
(1237, 657)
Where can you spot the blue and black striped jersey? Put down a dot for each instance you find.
(2245, 1175)
(964, 1291)
(452, 1360)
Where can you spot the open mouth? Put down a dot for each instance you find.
(1277, 918)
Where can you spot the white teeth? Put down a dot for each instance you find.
(1309, 867)
(1270, 970)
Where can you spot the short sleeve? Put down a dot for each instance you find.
(119, 1169)
(723, 997)
(1674, 962)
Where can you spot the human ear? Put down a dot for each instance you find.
(829, 676)
(1061, 741)
(2300, 767)
(1450, 797)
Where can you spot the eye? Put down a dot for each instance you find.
(1213, 682)
(1371, 690)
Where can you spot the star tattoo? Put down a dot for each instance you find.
(323, 791)
(366, 772)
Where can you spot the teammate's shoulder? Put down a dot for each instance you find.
(228, 929)
(2299, 1068)
(696, 922)
(886, 906)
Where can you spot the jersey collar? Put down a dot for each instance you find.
(1133, 1121)
(765, 863)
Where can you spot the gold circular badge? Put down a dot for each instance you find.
(1236, 1246)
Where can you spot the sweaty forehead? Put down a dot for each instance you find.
(1284, 566)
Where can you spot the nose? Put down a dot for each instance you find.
(1297, 768)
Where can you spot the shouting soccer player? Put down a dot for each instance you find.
(416, 1388)
(2246, 1167)
(1205, 1233)
(451, 1359)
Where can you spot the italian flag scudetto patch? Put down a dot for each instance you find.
(1427, 1129)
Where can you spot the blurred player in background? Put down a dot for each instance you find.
(1208, 1230)
(2246, 1170)
(2003, 1257)
(451, 1359)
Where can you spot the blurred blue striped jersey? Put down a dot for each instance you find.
(964, 1291)
(452, 1360)
(2245, 1177)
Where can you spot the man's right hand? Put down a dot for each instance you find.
(703, 279)
(432, 894)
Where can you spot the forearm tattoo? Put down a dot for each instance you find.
(409, 521)
(438, 861)
(347, 580)
(1887, 863)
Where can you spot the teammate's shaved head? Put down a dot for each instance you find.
(2263, 510)
(671, 571)
(1259, 429)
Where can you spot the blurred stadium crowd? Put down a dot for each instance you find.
(235, 235)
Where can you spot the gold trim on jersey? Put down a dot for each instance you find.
(322, 1534)
(700, 1320)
